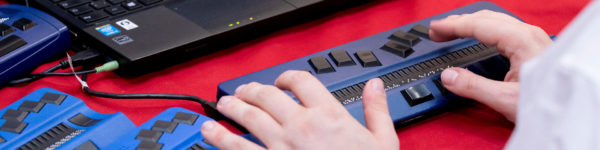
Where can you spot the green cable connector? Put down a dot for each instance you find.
(109, 66)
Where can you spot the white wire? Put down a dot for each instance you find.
(83, 83)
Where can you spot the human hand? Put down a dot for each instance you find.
(321, 122)
(516, 40)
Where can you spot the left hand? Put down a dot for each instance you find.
(319, 122)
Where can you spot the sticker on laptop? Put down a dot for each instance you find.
(127, 24)
(107, 30)
(122, 39)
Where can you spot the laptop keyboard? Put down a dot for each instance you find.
(90, 11)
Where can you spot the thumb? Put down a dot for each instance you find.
(500, 96)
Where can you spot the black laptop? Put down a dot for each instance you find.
(146, 34)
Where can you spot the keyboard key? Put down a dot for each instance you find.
(89, 145)
(341, 58)
(93, 16)
(84, 121)
(14, 126)
(80, 10)
(114, 10)
(131, 5)
(145, 145)
(398, 49)
(72, 3)
(15, 115)
(6, 29)
(2, 140)
(321, 65)
(23, 24)
(149, 135)
(405, 38)
(148, 2)
(367, 59)
(53, 98)
(185, 118)
(417, 94)
(116, 1)
(31, 106)
(99, 4)
(420, 30)
(164, 126)
(10, 43)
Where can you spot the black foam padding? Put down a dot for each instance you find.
(185, 118)
(84, 121)
(89, 145)
(147, 145)
(149, 135)
(31, 106)
(321, 65)
(14, 126)
(53, 98)
(367, 58)
(197, 147)
(164, 126)
(50, 137)
(15, 115)
(341, 58)
(417, 94)
(398, 49)
(424, 69)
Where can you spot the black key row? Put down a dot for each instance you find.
(401, 42)
(341, 58)
(150, 137)
(14, 118)
(93, 10)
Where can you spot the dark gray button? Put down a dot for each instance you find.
(5, 30)
(440, 86)
(82, 120)
(398, 49)
(420, 30)
(14, 126)
(341, 58)
(10, 44)
(31, 106)
(2, 140)
(417, 94)
(321, 65)
(185, 118)
(72, 3)
(164, 126)
(15, 115)
(405, 38)
(80, 10)
(53, 98)
(149, 135)
(148, 2)
(367, 59)
(89, 145)
(145, 145)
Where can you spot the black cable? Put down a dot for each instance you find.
(62, 73)
(33, 78)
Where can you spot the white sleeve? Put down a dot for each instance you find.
(559, 103)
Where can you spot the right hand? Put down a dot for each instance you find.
(516, 40)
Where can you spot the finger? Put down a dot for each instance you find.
(500, 96)
(307, 89)
(254, 119)
(221, 138)
(270, 99)
(377, 115)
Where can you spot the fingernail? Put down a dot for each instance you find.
(377, 86)
(207, 126)
(239, 88)
(449, 76)
(223, 101)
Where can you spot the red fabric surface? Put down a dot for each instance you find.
(472, 126)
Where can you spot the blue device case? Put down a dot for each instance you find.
(343, 81)
(44, 39)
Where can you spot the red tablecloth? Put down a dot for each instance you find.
(469, 127)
